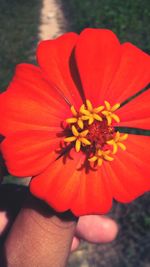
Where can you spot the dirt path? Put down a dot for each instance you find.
(52, 20)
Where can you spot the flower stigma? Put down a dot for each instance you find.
(91, 131)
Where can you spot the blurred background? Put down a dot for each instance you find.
(22, 25)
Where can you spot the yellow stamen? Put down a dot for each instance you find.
(117, 136)
(82, 108)
(100, 161)
(75, 131)
(71, 120)
(97, 117)
(99, 109)
(115, 147)
(109, 120)
(85, 141)
(101, 155)
(122, 146)
(70, 139)
(90, 113)
(78, 145)
(77, 117)
(94, 158)
(123, 137)
(80, 123)
(107, 104)
(85, 112)
(115, 117)
(106, 157)
(85, 118)
(108, 113)
(117, 142)
(73, 110)
(91, 119)
(84, 133)
(79, 138)
(115, 107)
(89, 105)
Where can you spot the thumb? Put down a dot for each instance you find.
(39, 237)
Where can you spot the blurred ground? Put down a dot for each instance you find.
(53, 22)
(22, 24)
(132, 246)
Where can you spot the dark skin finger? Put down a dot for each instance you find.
(39, 237)
(92, 228)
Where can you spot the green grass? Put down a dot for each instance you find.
(9, 179)
(130, 20)
(19, 20)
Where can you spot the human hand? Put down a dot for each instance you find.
(94, 229)
(91, 228)
(44, 233)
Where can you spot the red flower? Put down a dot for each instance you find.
(66, 122)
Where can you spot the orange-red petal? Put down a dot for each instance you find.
(31, 103)
(55, 58)
(130, 171)
(133, 74)
(64, 186)
(97, 54)
(29, 153)
(58, 185)
(94, 194)
(136, 113)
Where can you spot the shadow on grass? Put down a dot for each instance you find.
(19, 21)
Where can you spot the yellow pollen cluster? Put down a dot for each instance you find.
(100, 156)
(80, 127)
(109, 112)
(89, 113)
(117, 142)
(77, 117)
(78, 137)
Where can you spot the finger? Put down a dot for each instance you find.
(96, 229)
(46, 236)
(4, 222)
(75, 243)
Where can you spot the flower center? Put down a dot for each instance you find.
(99, 133)
(91, 131)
